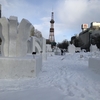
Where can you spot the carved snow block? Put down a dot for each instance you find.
(71, 48)
(38, 44)
(44, 45)
(77, 49)
(44, 54)
(94, 64)
(29, 45)
(48, 48)
(13, 22)
(93, 48)
(35, 45)
(24, 29)
(20, 67)
(4, 34)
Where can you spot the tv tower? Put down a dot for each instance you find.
(51, 35)
(0, 10)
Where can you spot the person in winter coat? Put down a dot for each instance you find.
(61, 51)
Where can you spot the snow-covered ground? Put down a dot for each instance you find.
(62, 78)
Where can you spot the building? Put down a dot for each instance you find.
(84, 39)
(95, 25)
(86, 35)
(84, 27)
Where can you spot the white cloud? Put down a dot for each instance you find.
(44, 26)
(4, 2)
(73, 13)
(68, 14)
(19, 8)
(28, 10)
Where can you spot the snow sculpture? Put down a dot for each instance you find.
(93, 48)
(44, 55)
(48, 48)
(57, 51)
(77, 49)
(13, 22)
(94, 65)
(71, 48)
(22, 38)
(44, 45)
(35, 45)
(14, 61)
(37, 33)
(4, 35)
(14, 37)
(38, 45)
(29, 45)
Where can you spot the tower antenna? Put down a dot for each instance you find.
(0, 10)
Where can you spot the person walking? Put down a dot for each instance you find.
(61, 51)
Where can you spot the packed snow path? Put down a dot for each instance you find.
(69, 73)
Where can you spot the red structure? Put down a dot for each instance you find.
(51, 35)
(0, 10)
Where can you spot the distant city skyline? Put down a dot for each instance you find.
(69, 15)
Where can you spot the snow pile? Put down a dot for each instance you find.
(69, 74)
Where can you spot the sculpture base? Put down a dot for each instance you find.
(26, 67)
(44, 56)
(94, 65)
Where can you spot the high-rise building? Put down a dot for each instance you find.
(51, 34)
(84, 27)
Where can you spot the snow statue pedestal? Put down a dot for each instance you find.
(94, 65)
(49, 50)
(26, 67)
(14, 61)
(44, 53)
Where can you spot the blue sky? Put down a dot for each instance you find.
(68, 14)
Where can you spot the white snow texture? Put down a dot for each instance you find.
(65, 77)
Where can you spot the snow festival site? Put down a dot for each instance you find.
(65, 77)
(34, 67)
